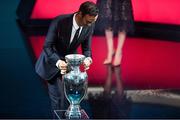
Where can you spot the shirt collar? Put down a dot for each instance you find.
(75, 25)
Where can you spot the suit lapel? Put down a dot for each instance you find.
(68, 28)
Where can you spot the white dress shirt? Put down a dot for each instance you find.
(74, 28)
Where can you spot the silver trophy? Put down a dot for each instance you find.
(75, 86)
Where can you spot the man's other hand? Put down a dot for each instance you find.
(87, 62)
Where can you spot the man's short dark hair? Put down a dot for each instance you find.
(89, 7)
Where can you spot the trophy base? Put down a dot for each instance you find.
(62, 114)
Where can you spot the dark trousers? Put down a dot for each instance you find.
(56, 94)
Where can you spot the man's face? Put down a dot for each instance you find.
(88, 20)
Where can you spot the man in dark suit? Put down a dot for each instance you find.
(65, 34)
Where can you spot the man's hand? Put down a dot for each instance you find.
(87, 62)
(62, 65)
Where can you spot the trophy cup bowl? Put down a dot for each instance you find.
(75, 85)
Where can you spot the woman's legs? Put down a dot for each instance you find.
(110, 46)
(118, 53)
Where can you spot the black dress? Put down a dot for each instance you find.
(116, 15)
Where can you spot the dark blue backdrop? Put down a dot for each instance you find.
(22, 93)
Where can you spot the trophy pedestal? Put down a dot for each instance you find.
(61, 114)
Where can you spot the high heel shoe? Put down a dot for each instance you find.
(109, 60)
(117, 61)
(117, 64)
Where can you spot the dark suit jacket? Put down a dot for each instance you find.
(57, 45)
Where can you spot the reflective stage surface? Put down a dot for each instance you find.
(131, 105)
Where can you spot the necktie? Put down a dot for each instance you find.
(76, 35)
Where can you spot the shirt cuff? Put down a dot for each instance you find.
(57, 63)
